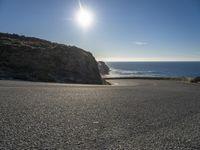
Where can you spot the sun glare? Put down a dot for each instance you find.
(84, 18)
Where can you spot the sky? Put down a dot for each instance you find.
(122, 30)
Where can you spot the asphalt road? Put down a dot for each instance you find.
(131, 114)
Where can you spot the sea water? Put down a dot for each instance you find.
(154, 69)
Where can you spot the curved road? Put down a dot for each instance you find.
(131, 114)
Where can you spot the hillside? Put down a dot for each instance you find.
(33, 59)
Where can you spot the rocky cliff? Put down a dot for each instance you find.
(33, 59)
(103, 68)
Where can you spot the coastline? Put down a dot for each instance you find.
(163, 70)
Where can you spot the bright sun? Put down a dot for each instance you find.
(84, 18)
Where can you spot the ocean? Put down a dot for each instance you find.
(154, 69)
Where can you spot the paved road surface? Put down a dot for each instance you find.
(132, 114)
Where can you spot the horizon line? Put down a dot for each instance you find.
(149, 60)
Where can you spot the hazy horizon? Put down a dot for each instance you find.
(115, 30)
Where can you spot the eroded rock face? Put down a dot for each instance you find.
(103, 68)
(34, 59)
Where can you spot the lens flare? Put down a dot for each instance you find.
(84, 17)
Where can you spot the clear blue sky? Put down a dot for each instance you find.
(122, 29)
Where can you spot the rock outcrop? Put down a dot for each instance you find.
(33, 59)
(103, 68)
(195, 80)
